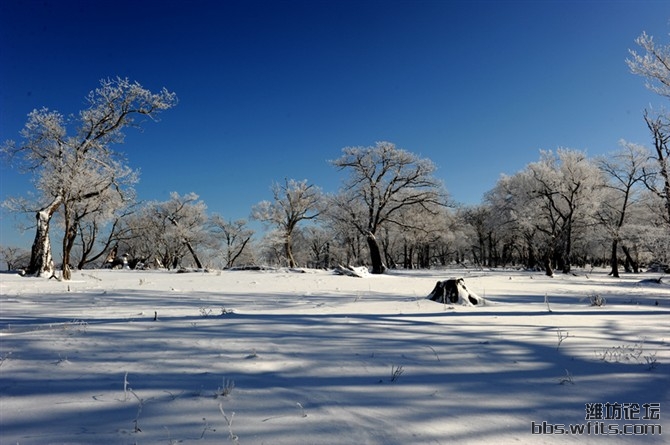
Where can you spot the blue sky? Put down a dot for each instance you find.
(274, 89)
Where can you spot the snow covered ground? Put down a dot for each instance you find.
(279, 357)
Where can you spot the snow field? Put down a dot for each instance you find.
(317, 358)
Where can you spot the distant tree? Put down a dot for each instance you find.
(164, 232)
(271, 248)
(187, 218)
(549, 204)
(383, 180)
(14, 257)
(479, 219)
(234, 236)
(73, 170)
(565, 185)
(517, 215)
(293, 202)
(411, 244)
(449, 240)
(320, 242)
(347, 246)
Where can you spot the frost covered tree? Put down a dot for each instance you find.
(94, 198)
(72, 160)
(186, 216)
(293, 202)
(164, 232)
(518, 214)
(347, 246)
(654, 65)
(549, 204)
(624, 172)
(234, 236)
(383, 180)
(320, 243)
(413, 244)
(482, 221)
(565, 186)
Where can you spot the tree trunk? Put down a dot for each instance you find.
(198, 264)
(567, 247)
(629, 259)
(288, 251)
(614, 261)
(531, 261)
(378, 266)
(408, 252)
(68, 243)
(548, 270)
(326, 258)
(41, 261)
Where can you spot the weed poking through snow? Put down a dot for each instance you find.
(596, 300)
(567, 378)
(4, 357)
(140, 405)
(125, 387)
(206, 428)
(226, 388)
(546, 301)
(634, 353)
(229, 421)
(561, 336)
(396, 372)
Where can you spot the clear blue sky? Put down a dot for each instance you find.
(274, 89)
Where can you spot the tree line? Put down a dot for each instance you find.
(564, 209)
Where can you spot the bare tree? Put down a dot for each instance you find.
(70, 170)
(293, 202)
(383, 180)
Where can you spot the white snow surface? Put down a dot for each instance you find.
(319, 358)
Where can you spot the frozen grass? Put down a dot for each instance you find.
(125, 357)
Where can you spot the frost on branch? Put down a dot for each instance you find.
(654, 64)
